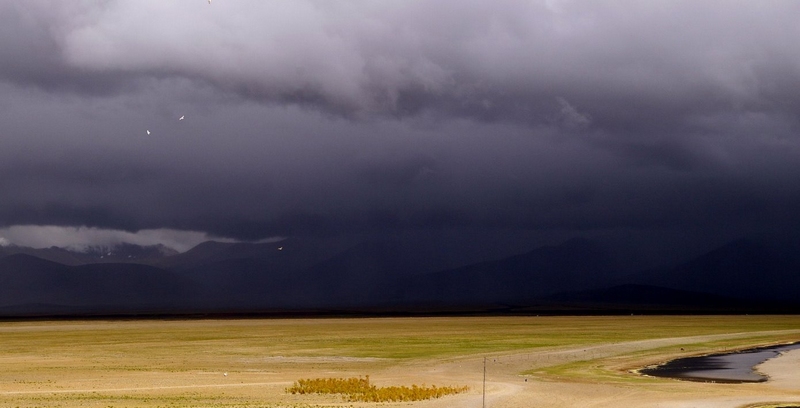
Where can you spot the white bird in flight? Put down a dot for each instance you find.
(181, 118)
(148, 132)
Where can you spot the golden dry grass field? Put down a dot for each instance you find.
(530, 361)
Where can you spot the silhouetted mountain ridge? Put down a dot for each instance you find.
(393, 274)
(25, 279)
(574, 264)
(743, 269)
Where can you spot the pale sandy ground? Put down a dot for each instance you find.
(506, 388)
(610, 384)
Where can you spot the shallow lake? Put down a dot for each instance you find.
(733, 367)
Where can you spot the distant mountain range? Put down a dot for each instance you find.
(123, 252)
(394, 276)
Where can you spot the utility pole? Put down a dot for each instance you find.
(484, 382)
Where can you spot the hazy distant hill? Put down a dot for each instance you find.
(119, 253)
(54, 254)
(742, 269)
(27, 280)
(387, 275)
(292, 253)
(212, 251)
(575, 264)
(253, 276)
(306, 274)
(367, 273)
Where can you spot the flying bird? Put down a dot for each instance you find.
(148, 132)
(181, 118)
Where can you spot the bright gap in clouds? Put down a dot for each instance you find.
(37, 236)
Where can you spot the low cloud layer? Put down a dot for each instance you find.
(312, 117)
(81, 237)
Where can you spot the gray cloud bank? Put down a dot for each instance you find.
(332, 117)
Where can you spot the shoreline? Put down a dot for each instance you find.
(733, 367)
(783, 371)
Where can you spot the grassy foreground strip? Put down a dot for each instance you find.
(149, 344)
(360, 390)
(182, 363)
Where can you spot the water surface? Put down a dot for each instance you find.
(735, 367)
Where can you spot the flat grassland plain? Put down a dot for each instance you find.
(530, 361)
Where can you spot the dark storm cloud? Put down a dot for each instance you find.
(320, 117)
(626, 64)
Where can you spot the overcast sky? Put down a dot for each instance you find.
(677, 118)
